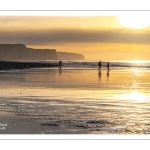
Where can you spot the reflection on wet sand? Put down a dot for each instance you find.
(60, 71)
(107, 74)
(75, 102)
(99, 74)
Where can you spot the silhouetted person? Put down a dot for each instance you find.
(100, 64)
(107, 65)
(60, 64)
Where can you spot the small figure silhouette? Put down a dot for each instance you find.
(100, 64)
(107, 65)
(60, 64)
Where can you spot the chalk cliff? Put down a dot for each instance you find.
(70, 56)
(20, 52)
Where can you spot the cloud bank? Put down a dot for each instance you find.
(40, 37)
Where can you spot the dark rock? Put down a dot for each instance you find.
(82, 126)
(49, 124)
(9, 65)
(98, 122)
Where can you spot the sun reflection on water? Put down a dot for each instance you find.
(135, 70)
(134, 95)
(137, 61)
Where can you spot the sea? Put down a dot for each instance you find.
(116, 64)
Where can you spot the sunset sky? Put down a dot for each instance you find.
(96, 37)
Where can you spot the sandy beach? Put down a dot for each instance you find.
(75, 101)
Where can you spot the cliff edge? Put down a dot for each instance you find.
(19, 52)
(69, 56)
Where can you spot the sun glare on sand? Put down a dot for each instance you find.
(134, 21)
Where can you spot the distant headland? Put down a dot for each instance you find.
(19, 52)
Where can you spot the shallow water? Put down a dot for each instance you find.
(78, 101)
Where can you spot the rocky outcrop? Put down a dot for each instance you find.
(69, 56)
(9, 65)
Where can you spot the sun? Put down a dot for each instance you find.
(134, 21)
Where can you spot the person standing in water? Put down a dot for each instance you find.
(100, 64)
(107, 65)
(60, 64)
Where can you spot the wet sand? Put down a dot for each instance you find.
(74, 101)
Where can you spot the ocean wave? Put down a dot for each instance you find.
(90, 64)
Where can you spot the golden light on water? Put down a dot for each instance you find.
(137, 61)
(136, 71)
(134, 95)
